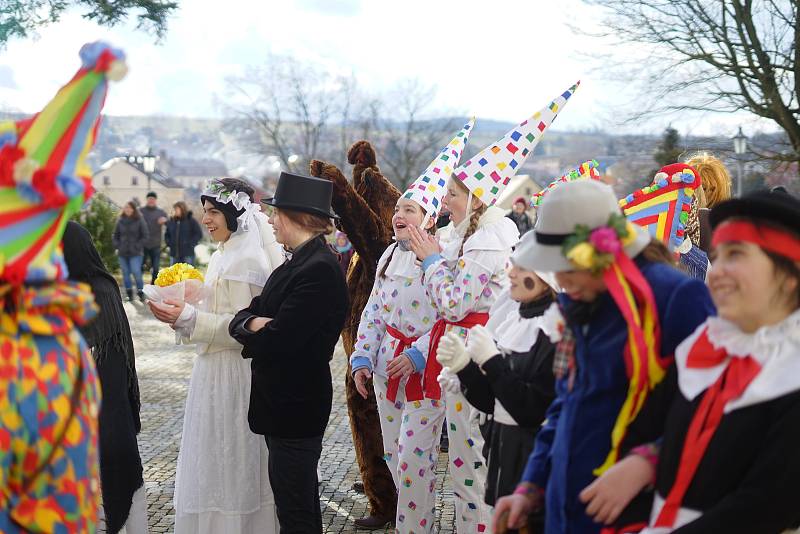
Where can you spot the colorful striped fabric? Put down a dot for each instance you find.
(586, 170)
(49, 391)
(43, 175)
(663, 206)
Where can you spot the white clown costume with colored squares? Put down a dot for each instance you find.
(399, 302)
(460, 285)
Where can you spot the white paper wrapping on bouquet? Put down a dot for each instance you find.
(185, 292)
(190, 291)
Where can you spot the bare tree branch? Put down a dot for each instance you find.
(711, 55)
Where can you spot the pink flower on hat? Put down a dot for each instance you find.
(605, 240)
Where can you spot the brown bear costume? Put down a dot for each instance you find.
(365, 209)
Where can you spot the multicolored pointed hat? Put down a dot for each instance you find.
(487, 173)
(663, 207)
(586, 171)
(429, 189)
(44, 179)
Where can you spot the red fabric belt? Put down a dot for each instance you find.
(403, 342)
(417, 389)
(739, 373)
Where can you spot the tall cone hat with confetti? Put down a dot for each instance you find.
(429, 189)
(487, 173)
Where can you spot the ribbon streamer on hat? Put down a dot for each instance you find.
(44, 179)
(487, 173)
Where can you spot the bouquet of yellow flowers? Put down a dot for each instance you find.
(179, 283)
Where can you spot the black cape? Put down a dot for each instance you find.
(109, 337)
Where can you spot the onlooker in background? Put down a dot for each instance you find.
(155, 217)
(518, 215)
(129, 237)
(344, 249)
(182, 235)
(715, 188)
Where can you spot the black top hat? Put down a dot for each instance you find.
(774, 206)
(303, 193)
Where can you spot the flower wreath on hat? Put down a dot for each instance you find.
(247, 262)
(595, 249)
(240, 200)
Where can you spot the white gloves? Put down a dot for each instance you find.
(452, 353)
(480, 345)
(448, 381)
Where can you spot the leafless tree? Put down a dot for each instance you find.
(285, 108)
(410, 131)
(713, 55)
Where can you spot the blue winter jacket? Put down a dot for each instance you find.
(576, 436)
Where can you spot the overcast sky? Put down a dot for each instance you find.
(500, 59)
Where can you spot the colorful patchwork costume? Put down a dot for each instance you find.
(49, 392)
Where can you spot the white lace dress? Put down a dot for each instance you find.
(222, 483)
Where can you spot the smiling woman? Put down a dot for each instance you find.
(222, 484)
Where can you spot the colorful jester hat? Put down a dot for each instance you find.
(664, 206)
(429, 189)
(44, 179)
(487, 173)
(586, 171)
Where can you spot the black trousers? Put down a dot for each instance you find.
(293, 477)
(154, 256)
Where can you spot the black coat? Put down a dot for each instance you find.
(525, 385)
(306, 298)
(151, 217)
(522, 221)
(129, 236)
(747, 479)
(182, 236)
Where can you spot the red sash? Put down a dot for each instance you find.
(416, 389)
(403, 342)
(729, 386)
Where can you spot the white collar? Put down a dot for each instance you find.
(495, 232)
(404, 264)
(775, 347)
(511, 331)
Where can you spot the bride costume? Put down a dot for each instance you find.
(222, 485)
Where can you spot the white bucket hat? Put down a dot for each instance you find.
(524, 256)
(587, 203)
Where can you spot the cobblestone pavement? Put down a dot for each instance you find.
(164, 371)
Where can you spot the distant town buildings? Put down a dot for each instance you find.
(122, 179)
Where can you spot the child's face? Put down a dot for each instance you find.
(581, 285)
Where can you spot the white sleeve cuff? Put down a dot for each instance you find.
(186, 320)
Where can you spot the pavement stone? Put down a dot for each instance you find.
(164, 369)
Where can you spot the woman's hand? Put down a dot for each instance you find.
(607, 497)
(400, 366)
(423, 244)
(517, 507)
(257, 323)
(361, 377)
(166, 312)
